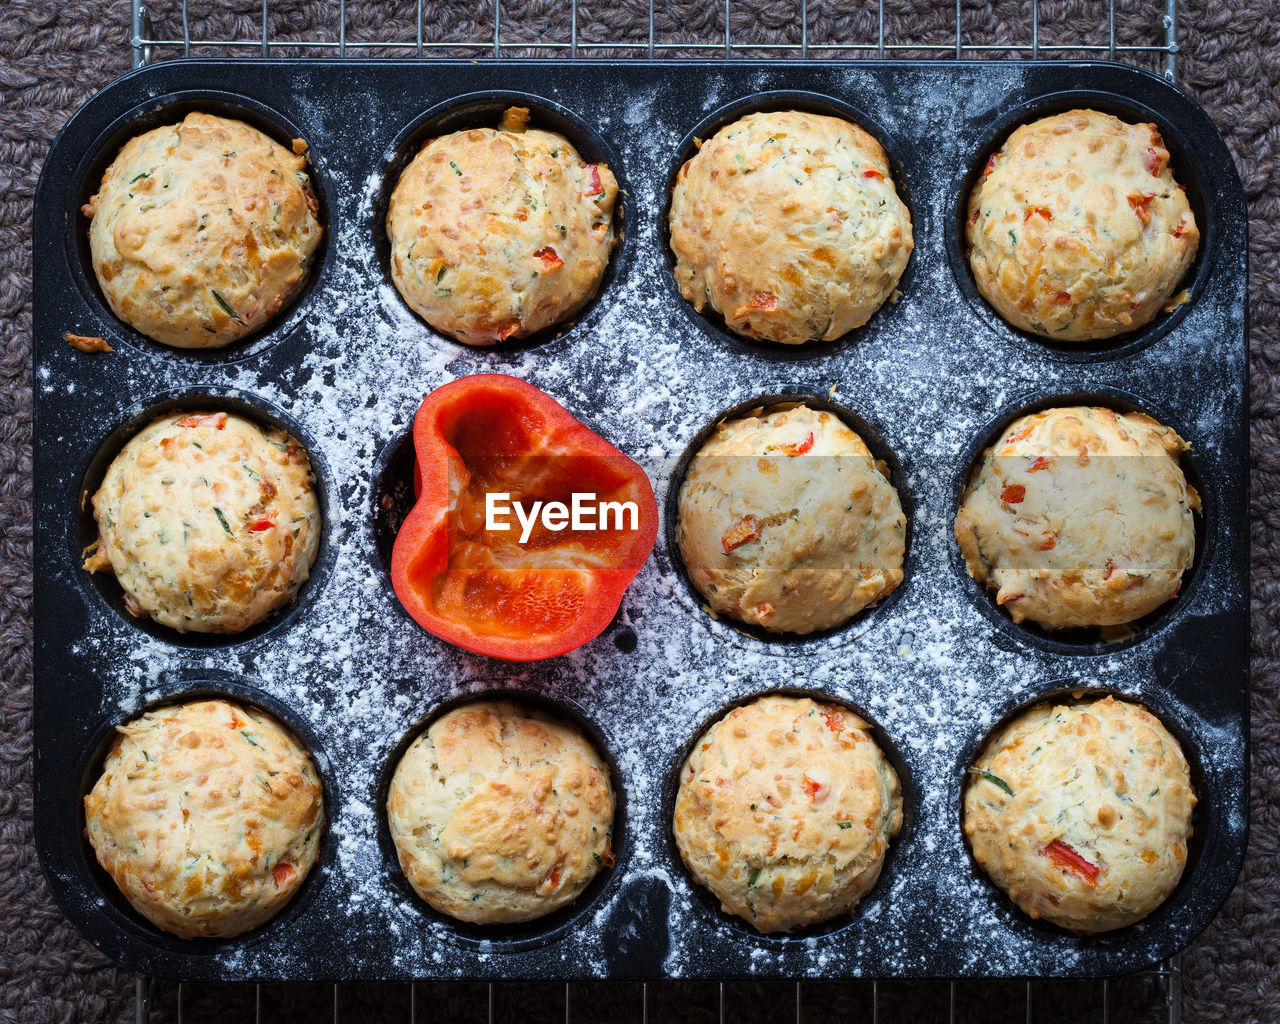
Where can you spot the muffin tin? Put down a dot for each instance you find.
(345, 368)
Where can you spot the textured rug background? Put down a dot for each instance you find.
(55, 55)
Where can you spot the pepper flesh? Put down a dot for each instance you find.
(744, 531)
(482, 589)
(799, 448)
(1141, 204)
(1064, 857)
(550, 258)
(283, 873)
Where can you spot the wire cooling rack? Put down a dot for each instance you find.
(168, 29)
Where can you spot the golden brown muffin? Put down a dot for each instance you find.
(788, 225)
(785, 811)
(208, 521)
(500, 233)
(1077, 229)
(208, 817)
(501, 813)
(1080, 517)
(786, 521)
(1081, 813)
(203, 231)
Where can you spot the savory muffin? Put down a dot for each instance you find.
(208, 817)
(785, 811)
(1077, 229)
(789, 226)
(1080, 517)
(501, 813)
(208, 521)
(500, 233)
(201, 232)
(787, 522)
(1081, 813)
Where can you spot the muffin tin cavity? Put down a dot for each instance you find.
(542, 931)
(113, 902)
(485, 110)
(1206, 817)
(169, 109)
(135, 419)
(393, 496)
(709, 324)
(873, 905)
(1188, 171)
(748, 634)
(1085, 641)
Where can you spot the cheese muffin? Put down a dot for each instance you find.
(208, 521)
(201, 232)
(500, 233)
(208, 817)
(501, 813)
(786, 521)
(789, 226)
(1080, 517)
(1081, 813)
(1077, 229)
(785, 811)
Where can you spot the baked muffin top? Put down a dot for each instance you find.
(501, 813)
(500, 233)
(1080, 517)
(208, 521)
(207, 815)
(788, 224)
(1081, 812)
(786, 521)
(201, 232)
(785, 810)
(1077, 228)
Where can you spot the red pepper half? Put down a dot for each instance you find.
(483, 589)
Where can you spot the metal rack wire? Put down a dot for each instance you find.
(149, 45)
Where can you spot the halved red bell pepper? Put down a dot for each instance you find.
(481, 588)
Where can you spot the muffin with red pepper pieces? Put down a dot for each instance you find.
(785, 811)
(208, 521)
(1081, 813)
(1080, 517)
(786, 521)
(201, 232)
(1078, 230)
(500, 233)
(207, 815)
(789, 226)
(501, 813)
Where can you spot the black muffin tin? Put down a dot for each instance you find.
(929, 380)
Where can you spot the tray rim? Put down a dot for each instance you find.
(1234, 193)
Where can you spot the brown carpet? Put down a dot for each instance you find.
(55, 55)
